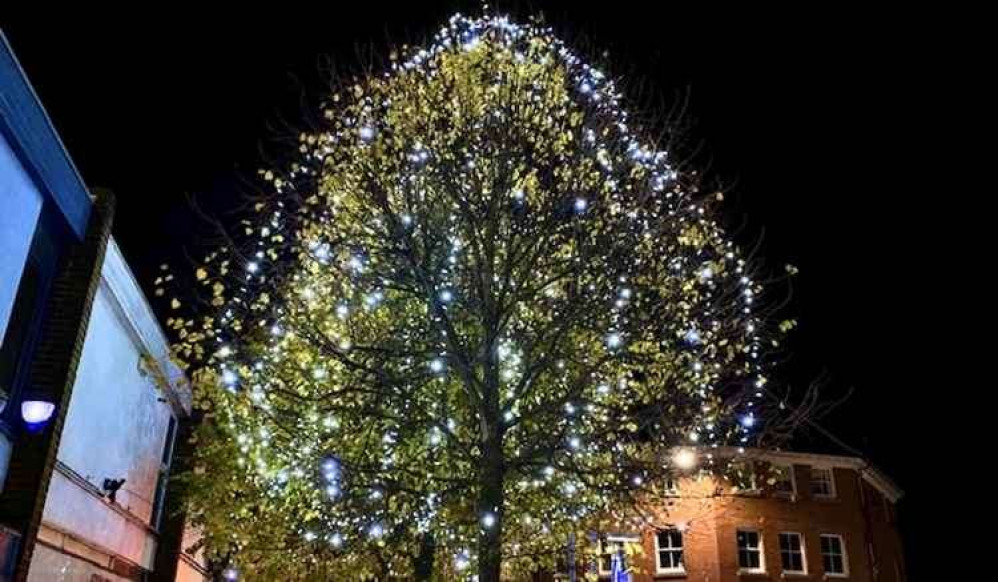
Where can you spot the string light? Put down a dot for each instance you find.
(376, 306)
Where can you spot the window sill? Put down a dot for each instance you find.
(786, 574)
(742, 572)
(670, 575)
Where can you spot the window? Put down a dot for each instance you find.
(163, 478)
(742, 476)
(669, 547)
(671, 486)
(833, 555)
(792, 553)
(822, 482)
(781, 479)
(614, 545)
(750, 551)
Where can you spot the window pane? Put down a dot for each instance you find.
(837, 565)
(781, 478)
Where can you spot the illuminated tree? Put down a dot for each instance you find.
(476, 314)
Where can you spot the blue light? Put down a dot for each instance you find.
(36, 413)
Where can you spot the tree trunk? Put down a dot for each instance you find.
(490, 503)
(424, 561)
(490, 478)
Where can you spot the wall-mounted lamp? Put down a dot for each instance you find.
(36, 414)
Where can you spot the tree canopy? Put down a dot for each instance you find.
(480, 310)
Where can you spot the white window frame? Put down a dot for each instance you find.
(845, 556)
(803, 553)
(831, 483)
(761, 548)
(793, 481)
(613, 539)
(680, 571)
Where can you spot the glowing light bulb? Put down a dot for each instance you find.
(488, 520)
(685, 459)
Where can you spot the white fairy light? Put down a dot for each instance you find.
(684, 459)
(488, 520)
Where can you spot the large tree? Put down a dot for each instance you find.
(480, 311)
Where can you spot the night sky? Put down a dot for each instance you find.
(812, 127)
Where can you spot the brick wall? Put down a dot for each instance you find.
(709, 513)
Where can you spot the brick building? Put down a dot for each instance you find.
(777, 515)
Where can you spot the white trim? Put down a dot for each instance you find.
(803, 553)
(845, 556)
(133, 309)
(622, 540)
(870, 473)
(659, 570)
(792, 494)
(761, 548)
(833, 494)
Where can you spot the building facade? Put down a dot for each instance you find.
(775, 516)
(90, 405)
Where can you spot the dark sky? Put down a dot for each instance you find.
(812, 119)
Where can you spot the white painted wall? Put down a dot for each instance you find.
(116, 424)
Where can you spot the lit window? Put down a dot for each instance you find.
(833, 555)
(669, 547)
(781, 479)
(822, 482)
(792, 553)
(615, 545)
(750, 551)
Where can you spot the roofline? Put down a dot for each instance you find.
(127, 297)
(865, 468)
(35, 141)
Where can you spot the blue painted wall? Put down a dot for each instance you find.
(21, 206)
